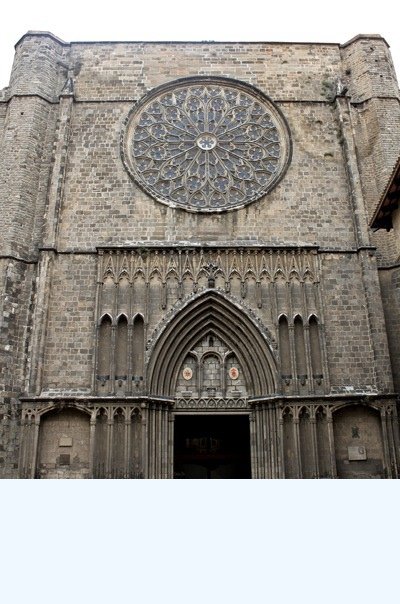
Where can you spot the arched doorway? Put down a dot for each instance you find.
(210, 358)
(211, 314)
(212, 446)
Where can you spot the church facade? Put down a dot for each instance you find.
(196, 278)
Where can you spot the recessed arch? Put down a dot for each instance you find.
(300, 349)
(284, 347)
(119, 413)
(63, 447)
(315, 347)
(359, 444)
(208, 313)
(211, 353)
(138, 335)
(105, 317)
(121, 348)
(56, 408)
(137, 316)
(135, 414)
(122, 317)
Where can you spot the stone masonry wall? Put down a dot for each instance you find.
(103, 206)
(357, 361)
(24, 169)
(40, 66)
(390, 288)
(373, 94)
(126, 71)
(350, 348)
(3, 112)
(68, 355)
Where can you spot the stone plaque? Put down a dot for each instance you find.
(65, 441)
(357, 453)
(64, 460)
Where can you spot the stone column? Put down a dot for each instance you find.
(260, 440)
(297, 443)
(92, 437)
(332, 454)
(22, 447)
(313, 423)
(127, 447)
(386, 452)
(272, 448)
(171, 423)
(253, 446)
(164, 459)
(281, 451)
(160, 441)
(273, 464)
(35, 446)
(145, 439)
(109, 446)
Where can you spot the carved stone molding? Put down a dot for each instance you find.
(211, 403)
(260, 264)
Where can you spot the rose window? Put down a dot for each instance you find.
(206, 145)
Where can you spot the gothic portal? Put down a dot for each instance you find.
(190, 286)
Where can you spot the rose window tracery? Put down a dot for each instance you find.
(207, 145)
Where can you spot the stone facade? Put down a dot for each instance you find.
(126, 316)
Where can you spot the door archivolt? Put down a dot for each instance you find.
(204, 344)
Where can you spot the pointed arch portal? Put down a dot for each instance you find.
(212, 313)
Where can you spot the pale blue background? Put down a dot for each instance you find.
(322, 542)
(197, 542)
(289, 21)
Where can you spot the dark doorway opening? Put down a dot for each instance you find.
(212, 446)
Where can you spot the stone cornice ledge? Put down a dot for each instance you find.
(353, 397)
(90, 399)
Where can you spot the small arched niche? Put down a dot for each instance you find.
(300, 350)
(63, 450)
(358, 442)
(315, 348)
(138, 352)
(104, 355)
(284, 349)
(121, 353)
(211, 375)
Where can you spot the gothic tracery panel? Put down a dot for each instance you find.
(157, 283)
